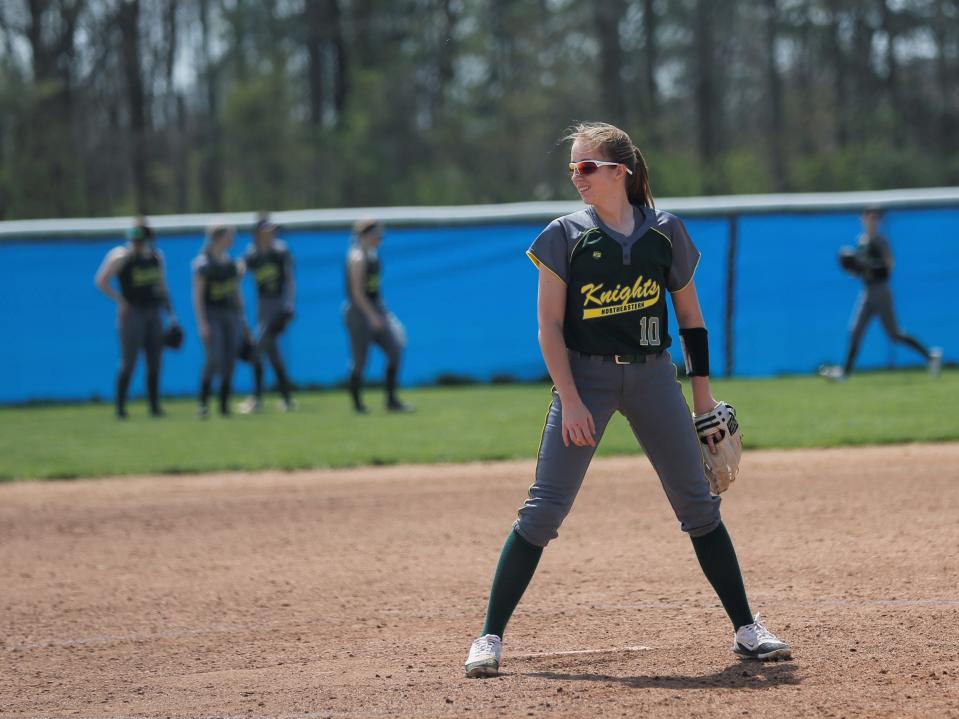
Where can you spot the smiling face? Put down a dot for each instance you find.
(605, 182)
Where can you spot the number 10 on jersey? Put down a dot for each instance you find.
(649, 331)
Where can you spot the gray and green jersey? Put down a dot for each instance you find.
(371, 272)
(271, 269)
(141, 279)
(872, 254)
(616, 285)
(222, 280)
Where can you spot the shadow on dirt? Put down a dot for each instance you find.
(736, 676)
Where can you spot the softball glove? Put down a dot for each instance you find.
(278, 324)
(721, 424)
(849, 261)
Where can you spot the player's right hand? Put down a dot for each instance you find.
(377, 323)
(578, 426)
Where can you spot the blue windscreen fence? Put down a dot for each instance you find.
(466, 294)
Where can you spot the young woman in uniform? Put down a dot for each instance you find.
(270, 263)
(218, 305)
(141, 275)
(603, 276)
(366, 317)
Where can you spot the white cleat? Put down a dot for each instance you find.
(935, 361)
(832, 372)
(251, 405)
(484, 656)
(754, 641)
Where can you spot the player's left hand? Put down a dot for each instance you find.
(722, 441)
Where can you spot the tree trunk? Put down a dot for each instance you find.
(128, 22)
(445, 54)
(837, 61)
(889, 27)
(340, 68)
(776, 130)
(211, 167)
(314, 50)
(651, 55)
(707, 106)
(607, 16)
(45, 147)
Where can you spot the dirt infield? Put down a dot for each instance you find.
(357, 593)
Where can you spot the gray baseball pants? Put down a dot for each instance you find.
(140, 329)
(268, 309)
(876, 299)
(224, 343)
(651, 399)
(362, 335)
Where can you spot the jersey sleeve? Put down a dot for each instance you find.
(550, 250)
(113, 260)
(685, 255)
(200, 266)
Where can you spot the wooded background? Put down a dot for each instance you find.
(170, 106)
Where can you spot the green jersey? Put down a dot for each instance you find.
(616, 285)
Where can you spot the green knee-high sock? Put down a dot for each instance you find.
(718, 560)
(516, 566)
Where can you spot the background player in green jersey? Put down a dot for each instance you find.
(366, 317)
(872, 262)
(141, 275)
(604, 274)
(269, 262)
(218, 304)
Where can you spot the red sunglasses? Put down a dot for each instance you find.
(588, 167)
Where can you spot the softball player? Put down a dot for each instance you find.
(141, 275)
(270, 263)
(218, 304)
(603, 275)
(366, 317)
(872, 262)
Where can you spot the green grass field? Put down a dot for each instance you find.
(458, 424)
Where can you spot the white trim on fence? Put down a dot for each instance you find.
(723, 205)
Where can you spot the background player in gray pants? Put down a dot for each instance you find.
(269, 262)
(141, 275)
(872, 261)
(366, 317)
(603, 277)
(218, 305)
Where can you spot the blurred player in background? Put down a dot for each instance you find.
(141, 276)
(218, 304)
(871, 260)
(366, 317)
(270, 263)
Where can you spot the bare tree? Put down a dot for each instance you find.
(776, 129)
(128, 23)
(607, 16)
(211, 169)
(708, 111)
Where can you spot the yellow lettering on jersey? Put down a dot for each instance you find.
(268, 272)
(222, 289)
(644, 293)
(143, 276)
